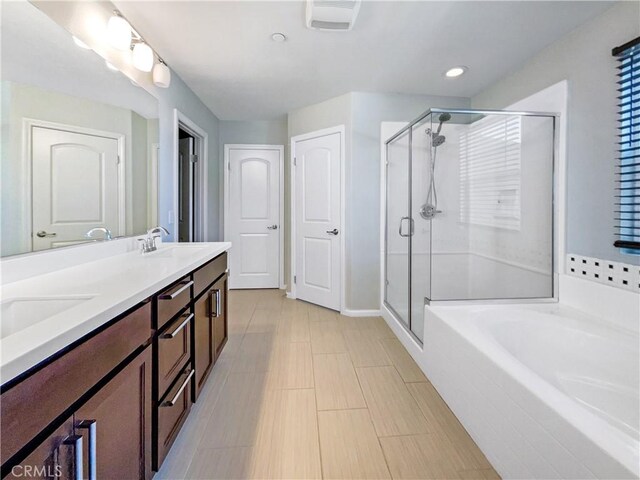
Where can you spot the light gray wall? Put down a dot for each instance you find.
(180, 96)
(584, 59)
(369, 110)
(361, 114)
(264, 132)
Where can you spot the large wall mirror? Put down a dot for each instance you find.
(79, 140)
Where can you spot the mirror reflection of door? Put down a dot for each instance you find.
(75, 186)
(186, 161)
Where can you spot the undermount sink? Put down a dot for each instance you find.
(17, 314)
(176, 252)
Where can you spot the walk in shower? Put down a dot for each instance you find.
(469, 210)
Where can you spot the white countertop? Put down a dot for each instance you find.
(115, 283)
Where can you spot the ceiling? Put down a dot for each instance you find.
(223, 49)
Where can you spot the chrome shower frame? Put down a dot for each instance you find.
(554, 205)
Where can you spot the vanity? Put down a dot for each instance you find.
(100, 378)
(104, 345)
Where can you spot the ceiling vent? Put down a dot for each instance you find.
(332, 15)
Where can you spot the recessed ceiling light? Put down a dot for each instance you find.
(80, 43)
(455, 72)
(278, 37)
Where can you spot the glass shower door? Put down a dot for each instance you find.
(398, 228)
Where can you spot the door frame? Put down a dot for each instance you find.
(227, 195)
(28, 124)
(201, 194)
(343, 231)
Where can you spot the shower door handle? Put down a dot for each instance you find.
(410, 234)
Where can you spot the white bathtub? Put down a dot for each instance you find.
(546, 391)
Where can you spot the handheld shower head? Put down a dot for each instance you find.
(443, 117)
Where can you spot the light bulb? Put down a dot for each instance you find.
(111, 66)
(161, 75)
(80, 43)
(119, 33)
(142, 57)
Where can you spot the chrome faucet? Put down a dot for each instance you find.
(106, 231)
(149, 241)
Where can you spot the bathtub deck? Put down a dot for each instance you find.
(302, 392)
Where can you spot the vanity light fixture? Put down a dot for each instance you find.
(161, 74)
(119, 32)
(142, 57)
(122, 36)
(111, 66)
(455, 71)
(80, 43)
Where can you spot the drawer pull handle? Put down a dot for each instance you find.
(75, 442)
(187, 317)
(172, 402)
(171, 296)
(91, 425)
(218, 306)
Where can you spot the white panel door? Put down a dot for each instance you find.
(317, 217)
(254, 217)
(75, 186)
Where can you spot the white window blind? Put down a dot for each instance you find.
(490, 151)
(627, 210)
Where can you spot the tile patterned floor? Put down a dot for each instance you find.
(302, 392)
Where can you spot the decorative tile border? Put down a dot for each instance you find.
(615, 274)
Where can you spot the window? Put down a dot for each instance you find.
(490, 151)
(628, 162)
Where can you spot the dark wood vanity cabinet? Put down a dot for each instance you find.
(117, 422)
(111, 405)
(53, 458)
(98, 390)
(210, 320)
(204, 355)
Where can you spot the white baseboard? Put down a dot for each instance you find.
(360, 313)
(283, 287)
(291, 296)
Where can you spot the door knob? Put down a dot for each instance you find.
(43, 234)
(272, 227)
(333, 232)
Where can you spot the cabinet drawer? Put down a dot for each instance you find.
(66, 379)
(207, 274)
(174, 349)
(173, 410)
(173, 299)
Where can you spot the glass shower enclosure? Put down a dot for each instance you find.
(469, 211)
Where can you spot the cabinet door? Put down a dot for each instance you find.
(115, 425)
(203, 352)
(57, 457)
(219, 315)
